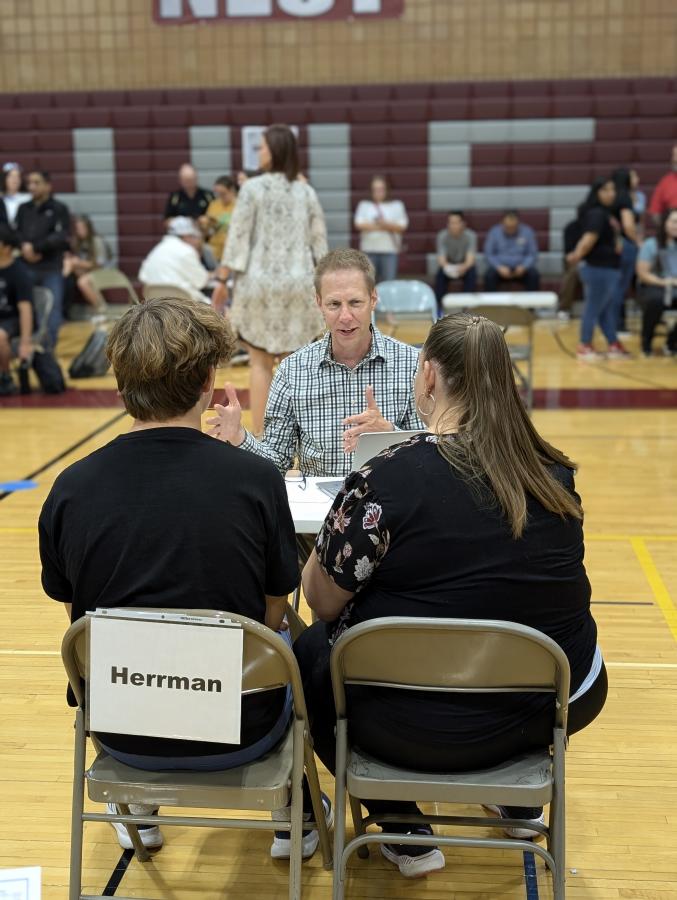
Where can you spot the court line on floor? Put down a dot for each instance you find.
(69, 450)
(660, 591)
(601, 367)
(530, 878)
(118, 873)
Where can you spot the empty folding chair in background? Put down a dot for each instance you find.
(450, 655)
(113, 279)
(268, 783)
(405, 300)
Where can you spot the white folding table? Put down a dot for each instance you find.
(309, 505)
(523, 299)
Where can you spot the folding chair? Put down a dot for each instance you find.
(519, 317)
(468, 656)
(113, 279)
(268, 783)
(406, 300)
(158, 291)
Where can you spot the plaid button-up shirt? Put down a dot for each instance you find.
(311, 394)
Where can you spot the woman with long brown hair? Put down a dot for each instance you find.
(276, 235)
(478, 518)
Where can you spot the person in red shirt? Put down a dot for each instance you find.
(664, 196)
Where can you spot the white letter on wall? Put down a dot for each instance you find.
(305, 7)
(201, 9)
(366, 6)
(249, 7)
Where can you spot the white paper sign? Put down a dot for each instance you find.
(161, 679)
(20, 884)
(251, 142)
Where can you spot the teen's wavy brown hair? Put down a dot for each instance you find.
(497, 445)
(161, 352)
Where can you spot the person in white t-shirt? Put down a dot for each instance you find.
(175, 261)
(13, 192)
(381, 223)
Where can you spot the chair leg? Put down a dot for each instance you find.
(318, 809)
(557, 822)
(356, 812)
(296, 834)
(340, 807)
(139, 850)
(77, 808)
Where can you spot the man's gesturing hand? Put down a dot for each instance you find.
(369, 420)
(227, 424)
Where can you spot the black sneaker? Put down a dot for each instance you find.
(531, 813)
(414, 861)
(7, 386)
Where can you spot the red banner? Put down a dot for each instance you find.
(185, 12)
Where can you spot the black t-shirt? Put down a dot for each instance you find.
(605, 252)
(623, 201)
(438, 548)
(15, 286)
(180, 204)
(169, 517)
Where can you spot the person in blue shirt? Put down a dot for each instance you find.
(511, 253)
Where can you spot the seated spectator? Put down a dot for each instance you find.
(657, 274)
(381, 223)
(14, 192)
(88, 252)
(456, 250)
(597, 255)
(664, 197)
(219, 213)
(407, 536)
(43, 226)
(116, 504)
(511, 253)
(189, 199)
(175, 261)
(16, 308)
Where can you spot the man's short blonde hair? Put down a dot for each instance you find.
(161, 352)
(343, 260)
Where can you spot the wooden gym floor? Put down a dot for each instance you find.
(622, 771)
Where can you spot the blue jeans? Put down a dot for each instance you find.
(217, 762)
(599, 288)
(627, 270)
(385, 265)
(54, 281)
(442, 284)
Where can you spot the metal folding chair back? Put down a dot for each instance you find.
(268, 783)
(450, 655)
(158, 291)
(406, 300)
(516, 317)
(112, 279)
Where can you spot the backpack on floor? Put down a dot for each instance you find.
(91, 361)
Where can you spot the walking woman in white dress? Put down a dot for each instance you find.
(277, 234)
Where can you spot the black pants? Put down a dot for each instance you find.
(410, 751)
(651, 299)
(531, 279)
(469, 280)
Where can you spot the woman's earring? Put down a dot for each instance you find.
(425, 404)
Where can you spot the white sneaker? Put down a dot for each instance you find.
(532, 814)
(151, 836)
(281, 846)
(414, 861)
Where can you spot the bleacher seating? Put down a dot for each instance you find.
(348, 133)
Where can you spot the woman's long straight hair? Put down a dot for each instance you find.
(496, 442)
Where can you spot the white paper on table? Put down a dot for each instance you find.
(20, 884)
(297, 493)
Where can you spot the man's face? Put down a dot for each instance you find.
(455, 225)
(37, 186)
(510, 224)
(188, 178)
(346, 305)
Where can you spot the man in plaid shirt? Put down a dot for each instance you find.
(326, 394)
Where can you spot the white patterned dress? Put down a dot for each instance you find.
(276, 236)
